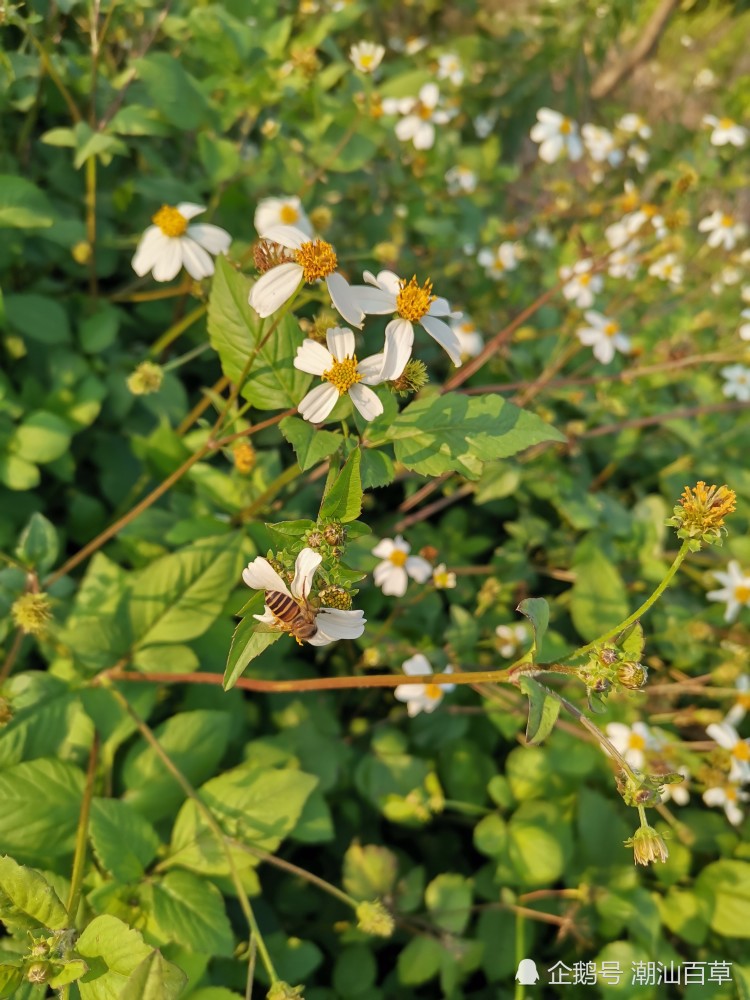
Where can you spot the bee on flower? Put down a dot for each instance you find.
(172, 242)
(580, 284)
(392, 574)
(556, 135)
(421, 697)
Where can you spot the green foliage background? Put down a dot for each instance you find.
(462, 832)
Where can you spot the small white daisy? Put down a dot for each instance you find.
(366, 56)
(171, 243)
(633, 124)
(392, 574)
(741, 706)
(556, 135)
(639, 155)
(342, 373)
(728, 798)
(601, 145)
(460, 180)
(580, 284)
(512, 638)
(735, 587)
(729, 739)
(604, 336)
(450, 68)
(744, 330)
(421, 697)
(723, 229)
(281, 212)
(442, 579)
(623, 263)
(310, 261)
(484, 124)
(504, 257)
(470, 339)
(331, 623)
(419, 114)
(632, 741)
(737, 382)
(725, 131)
(667, 269)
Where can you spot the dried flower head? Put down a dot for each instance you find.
(374, 918)
(146, 378)
(31, 613)
(699, 516)
(648, 846)
(267, 254)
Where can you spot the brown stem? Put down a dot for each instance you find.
(611, 78)
(662, 418)
(10, 659)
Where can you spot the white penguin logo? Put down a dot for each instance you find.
(527, 974)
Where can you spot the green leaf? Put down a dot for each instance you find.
(536, 610)
(448, 898)
(38, 317)
(191, 912)
(23, 205)
(90, 143)
(180, 596)
(154, 979)
(370, 871)
(376, 469)
(598, 598)
(236, 332)
(37, 547)
(458, 433)
(11, 977)
(124, 842)
(29, 893)
(544, 709)
(310, 445)
(725, 885)
(343, 501)
(41, 437)
(341, 151)
(41, 803)
(173, 91)
(18, 474)
(68, 972)
(112, 951)
(539, 844)
(247, 642)
(419, 961)
(631, 642)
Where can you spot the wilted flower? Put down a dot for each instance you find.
(421, 697)
(171, 243)
(648, 846)
(556, 134)
(392, 574)
(604, 336)
(701, 511)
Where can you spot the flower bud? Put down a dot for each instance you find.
(321, 218)
(335, 597)
(283, 991)
(373, 918)
(632, 675)
(413, 378)
(648, 846)
(334, 533)
(245, 457)
(147, 378)
(31, 613)
(315, 538)
(37, 973)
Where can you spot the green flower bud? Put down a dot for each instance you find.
(373, 918)
(147, 378)
(283, 991)
(31, 613)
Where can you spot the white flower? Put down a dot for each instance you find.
(331, 623)
(735, 590)
(580, 284)
(421, 697)
(543, 237)
(729, 739)
(737, 384)
(310, 260)
(600, 144)
(679, 793)
(511, 637)
(503, 258)
(623, 263)
(728, 797)
(469, 338)
(484, 124)
(725, 131)
(413, 303)
(411, 45)
(420, 115)
(460, 179)
(739, 710)
(604, 335)
(667, 269)
(171, 243)
(556, 134)
(744, 330)
(704, 79)
(633, 124)
(450, 68)
(366, 56)
(723, 229)
(632, 741)
(392, 574)
(639, 155)
(342, 373)
(442, 579)
(281, 212)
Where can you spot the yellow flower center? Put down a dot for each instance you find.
(317, 259)
(398, 558)
(705, 507)
(414, 300)
(741, 750)
(441, 579)
(649, 210)
(726, 123)
(343, 374)
(727, 220)
(742, 593)
(730, 794)
(636, 742)
(288, 215)
(743, 701)
(170, 221)
(366, 59)
(433, 691)
(566, 126)
(611, 329)
(584, 279)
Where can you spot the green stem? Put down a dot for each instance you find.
(79, 857)
(188, 356)
(278, 484)
(176, 329)
(596, 733)
(631, 619)
(520, 948)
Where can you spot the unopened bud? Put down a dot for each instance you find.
(38, 972)
(283, 991)
(315, 538)
(81, 252)
(373, 918)
(335, 597)
(334, 533)
(321, 218)
(147, 378)
(632, 675)
(31, 613)
(413, 378)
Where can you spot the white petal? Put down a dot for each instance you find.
(441, 307)
(150, 247)
(313, 358)
(417, 664)
(341, 342)
(391, 579)
(408, 692)
(387, 280)
(424, 137)
(429, 95)
(169, 262)
(267, 618)
(443, 334)
(384, 548)
(374, 301)
(366, 401)
(399, 338)
(212, 238)
(418, 569)
(286, 236)
(304, 570)
(318, 403)
(260, 575)
(407, 128)
(336, 624)
(274, 288)
(344, 299)
(370, 369)
(188, 209)
(198, 263)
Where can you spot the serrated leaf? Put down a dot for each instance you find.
(124, 842)
(112, 951)
(376, 469)
(247, 641)
(236, 331)
(37, 545)
(536, 610)
(190, 911)
(30, 893)
(459, 433)
(544, 709)
(11, 978)
(343, 501)
(154, 979)
(631, 642)
(310, 445)
(41, 804)
(68, 972)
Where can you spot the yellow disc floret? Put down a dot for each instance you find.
(343, 374)
(414, 300)
(610, 329)
(317, 259)
(289, 215)
(433, 691)
(170, 221)
(398, 557)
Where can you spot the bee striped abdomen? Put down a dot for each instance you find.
(284, 607)
(292, 617)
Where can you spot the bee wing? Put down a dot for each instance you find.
(263, 627)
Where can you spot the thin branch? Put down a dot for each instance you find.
(646, 45)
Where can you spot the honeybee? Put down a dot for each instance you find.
(297, 618)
